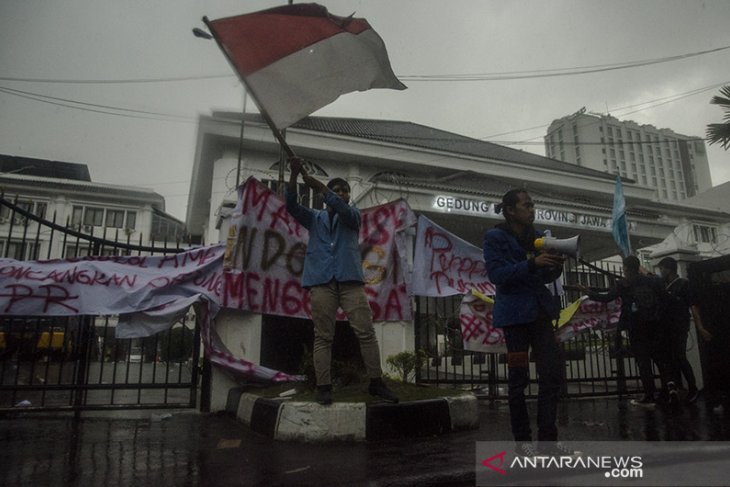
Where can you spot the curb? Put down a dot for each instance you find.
(283, 419)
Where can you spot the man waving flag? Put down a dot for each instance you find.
(298, 58)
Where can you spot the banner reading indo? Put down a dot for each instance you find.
(265, 250)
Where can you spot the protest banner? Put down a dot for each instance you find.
(149, 293)
(480, 335)
(266, 249)
(445, 265)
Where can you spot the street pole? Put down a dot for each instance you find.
(282, 157)
(240, 139)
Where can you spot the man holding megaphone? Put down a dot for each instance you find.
(525, 309)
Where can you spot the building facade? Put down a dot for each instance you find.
(451, 179)
(63, 193)
(707, 238)
(672, 164)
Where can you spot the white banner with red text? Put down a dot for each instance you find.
(265, 257)
(149, 293)
(445, 265)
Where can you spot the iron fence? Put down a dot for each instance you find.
(596, 362)
(76, 363)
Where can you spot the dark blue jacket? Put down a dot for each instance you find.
(521, 290)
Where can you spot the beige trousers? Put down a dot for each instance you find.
(326, 299)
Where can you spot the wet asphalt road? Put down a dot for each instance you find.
(141, 448)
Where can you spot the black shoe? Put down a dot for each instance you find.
(324, 395)
(674, 398)
(672, 394)
(557, 449)
(692, 395)
(378, 388)
(526, 449)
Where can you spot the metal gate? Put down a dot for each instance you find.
(76, 363)
(597, 363)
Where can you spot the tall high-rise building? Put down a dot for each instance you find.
(675, 165)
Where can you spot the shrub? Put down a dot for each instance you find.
(406, 363)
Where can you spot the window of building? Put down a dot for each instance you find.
(115, 218)
(40, 209)
(19, 250)
(705, 234)
(77, 215)
(37, 208)
(94, 216)
(73, 250)
(131, 220)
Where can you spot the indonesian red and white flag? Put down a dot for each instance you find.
(298, 58)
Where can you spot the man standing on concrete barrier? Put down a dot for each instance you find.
(333, 275)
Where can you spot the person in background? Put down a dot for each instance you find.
(642, 297)
(676, 321)
(525, 309)
(333, 275)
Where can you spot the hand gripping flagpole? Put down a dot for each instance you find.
(264, 114)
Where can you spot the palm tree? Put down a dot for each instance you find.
(720, 132)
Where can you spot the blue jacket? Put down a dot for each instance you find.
(521, 290)
(332, 251)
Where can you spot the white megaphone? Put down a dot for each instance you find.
(567, 246)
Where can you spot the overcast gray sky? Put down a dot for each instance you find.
(135, 39)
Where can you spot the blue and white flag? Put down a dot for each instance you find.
(620, 226)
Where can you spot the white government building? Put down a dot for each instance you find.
(452, 179)
(64, 192)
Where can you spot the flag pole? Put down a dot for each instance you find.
(264, 114)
